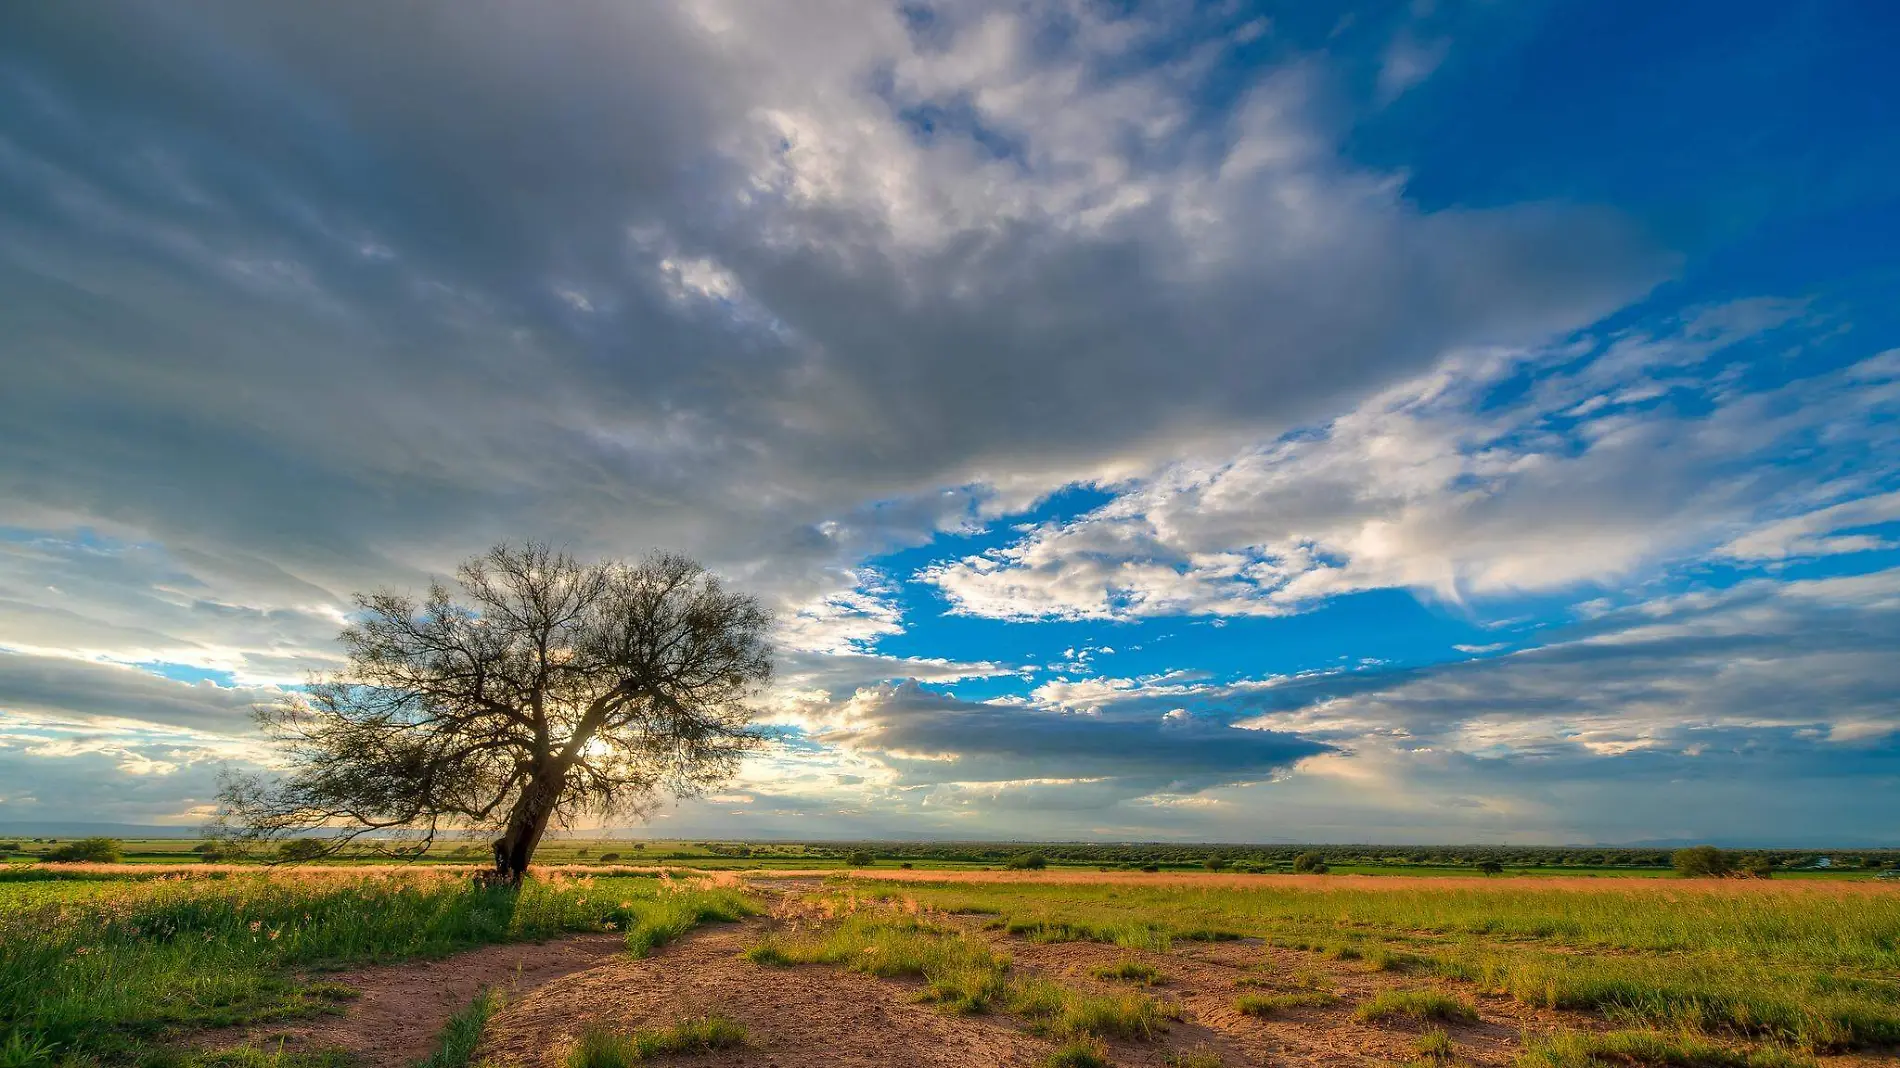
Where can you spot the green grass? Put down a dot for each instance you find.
(1609, 1049)
(1435, 1046)
(93, 968)
(1273, 1004)
(1077, 1053)
(1130, 969)
(1060, 1012)
(603, 1048)
(455, 1046)
(1808, 964)
(1416, 1005)
(1195, 1058)
(961, 974)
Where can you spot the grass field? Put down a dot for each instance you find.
(105, 968)
(112, 964)
(1812, 964)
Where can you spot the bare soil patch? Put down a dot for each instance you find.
(802, 1017)
(400, 1008)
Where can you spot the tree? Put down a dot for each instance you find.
(859, 858)
(1490, 867)
(555, 689)
(1027, 862)
(298, 850)
(1310, 863)
(86, 851)
(1702, 860)
(1214, 863)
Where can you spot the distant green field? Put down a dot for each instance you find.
(741, 855)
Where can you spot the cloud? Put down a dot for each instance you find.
(330, 269)
(1434, 486)
(924, 738)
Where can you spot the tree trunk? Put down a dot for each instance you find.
(527, 822)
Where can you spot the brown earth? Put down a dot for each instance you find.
(399, 1009)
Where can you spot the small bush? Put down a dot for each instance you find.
(859, 859)
(1697, 861)
(1027, 862)
(609, 858)
(86, 851)
(905, 865)
(1757, 867)
(1215, 863)
(1151, 867)
(1490, 867)
(9, 847)
(1418, 1005)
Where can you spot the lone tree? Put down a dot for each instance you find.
(553, 689)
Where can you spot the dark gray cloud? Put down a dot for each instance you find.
(929, 738)
(352, 291)
(78, 692)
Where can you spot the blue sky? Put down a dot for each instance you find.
(1246, 422)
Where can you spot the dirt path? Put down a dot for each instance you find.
(399, 1009)
(802, 1017)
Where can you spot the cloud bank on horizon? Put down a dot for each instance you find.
(1437, 422)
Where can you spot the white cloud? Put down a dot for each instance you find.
(1426, 487)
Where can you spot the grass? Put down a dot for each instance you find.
(603, 1048)
(1079, 1053)
(1273, 1004)
(1609, 1049)
(103, 968)
(1801, 963)
(1130, 969)
(1416, 1005)
(455, 1046)
(961, 974)
(1196, 1058)
(1435, 1046)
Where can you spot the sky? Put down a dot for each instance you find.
(1430, 422)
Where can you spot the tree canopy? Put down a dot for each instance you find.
(547, 690)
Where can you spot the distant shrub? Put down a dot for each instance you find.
(609, 857)
(1214, 863)
(1151, 867)
(1027, 862)
(580, 852)
(1490, 867)
(1757, 867)
(1310, 864)
(9, 847)
(218, 852)
(298, 850)
(639, 845)
(1697, 861)
(86, 851)
(860, 858)
(906, 865)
